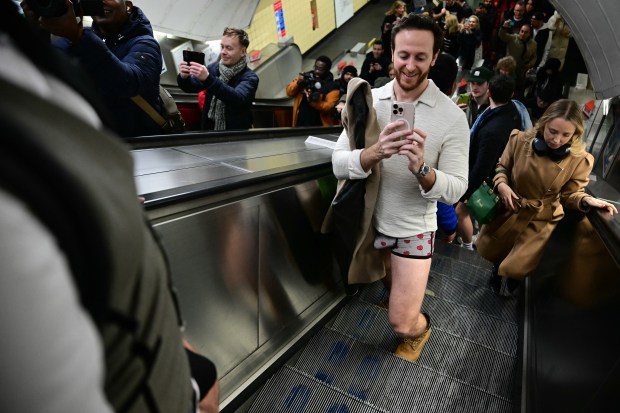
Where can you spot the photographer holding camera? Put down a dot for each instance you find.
(119, 53)
(316, 93)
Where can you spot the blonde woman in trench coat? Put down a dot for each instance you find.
(542, 171)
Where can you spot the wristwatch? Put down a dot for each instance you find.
(424, 170)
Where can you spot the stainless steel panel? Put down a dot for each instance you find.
(214, 261)
(170, 168)
(248, 149)
(166, 159)
(296, 266)
(178, 178)
(251, 276)
(280, 161)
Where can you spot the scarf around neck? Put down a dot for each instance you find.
(217, 109)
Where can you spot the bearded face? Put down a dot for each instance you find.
(413, 58)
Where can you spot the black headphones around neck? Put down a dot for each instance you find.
(541, 149)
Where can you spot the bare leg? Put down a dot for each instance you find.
(465, 226)
(409, 278)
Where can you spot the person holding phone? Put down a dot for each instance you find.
(397, 11)
(477, 100)
(416, 167)
(129, 65)
(230, 84)
(445, 8)
(375, 64)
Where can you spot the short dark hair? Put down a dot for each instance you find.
(325, 60)
(443, 73)
(501, 88)
(378, 41)
(239, 34)
(419, 22)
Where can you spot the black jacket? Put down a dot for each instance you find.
(488, 141)
(123, 66)
(370, 59)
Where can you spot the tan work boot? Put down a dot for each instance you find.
(411, 348)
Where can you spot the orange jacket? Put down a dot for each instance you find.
(324, 106)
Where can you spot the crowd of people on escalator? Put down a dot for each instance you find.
(515, 130)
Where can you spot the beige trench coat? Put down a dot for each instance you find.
(516, 241)
(367, 264)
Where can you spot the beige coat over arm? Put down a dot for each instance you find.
(366, 264)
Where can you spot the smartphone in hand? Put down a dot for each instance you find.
(192, 56)
(403, 111)
(463, 99)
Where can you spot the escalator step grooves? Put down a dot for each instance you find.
(468, 364)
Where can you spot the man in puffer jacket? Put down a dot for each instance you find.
(122, 57)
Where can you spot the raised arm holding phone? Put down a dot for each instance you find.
(230, 84)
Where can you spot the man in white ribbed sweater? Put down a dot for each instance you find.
(418, 167)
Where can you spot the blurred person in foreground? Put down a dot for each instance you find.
(230, 84)
(89, 317)
(542, 171)
(416, 168)
(119, 53)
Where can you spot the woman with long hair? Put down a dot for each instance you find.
(451, 32)
(470, 39)
(397, 11)
(542, 171)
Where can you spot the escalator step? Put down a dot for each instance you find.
(469, 363)
(480, 375)
(292, 391)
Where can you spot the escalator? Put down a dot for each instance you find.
(470, 363)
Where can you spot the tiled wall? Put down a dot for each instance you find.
(297, 21)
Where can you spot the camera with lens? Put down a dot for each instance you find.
(309, 82)
(57, 8)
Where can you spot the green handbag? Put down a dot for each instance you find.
(482, 204)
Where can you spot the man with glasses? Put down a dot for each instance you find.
(477, 100)
(230, 84)
(316, 94)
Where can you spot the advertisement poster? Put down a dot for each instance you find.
(277, 8)
(344, 11)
